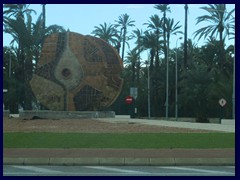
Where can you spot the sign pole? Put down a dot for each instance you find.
(222, 102)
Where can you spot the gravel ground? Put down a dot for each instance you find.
(86, 126)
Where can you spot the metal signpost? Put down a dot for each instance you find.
(134, 94)
(222, 102)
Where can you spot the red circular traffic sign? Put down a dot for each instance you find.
(129, 99)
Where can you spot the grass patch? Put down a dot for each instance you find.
(110, 140)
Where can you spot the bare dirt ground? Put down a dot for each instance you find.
(85, 126)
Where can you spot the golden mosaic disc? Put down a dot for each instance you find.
(77, 73)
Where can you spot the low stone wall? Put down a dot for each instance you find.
(65, 114)
(190, 119)
(228, 121)
(5, 113)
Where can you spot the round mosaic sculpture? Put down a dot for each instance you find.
(77, 73)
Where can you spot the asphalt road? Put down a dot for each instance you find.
(13, 170)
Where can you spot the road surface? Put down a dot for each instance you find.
(15, 170)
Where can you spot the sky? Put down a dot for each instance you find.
(82, 18)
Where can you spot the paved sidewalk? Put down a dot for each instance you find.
(157, 122)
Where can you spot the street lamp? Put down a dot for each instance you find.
(233, 93)
(176, 82)
(10, 64)
(149, 105)
(148, 89)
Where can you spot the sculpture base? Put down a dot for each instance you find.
(45, 114)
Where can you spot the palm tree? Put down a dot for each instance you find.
(155, 24)
(124, 22)
(138, 34)
(150, 42)
(17, 10)
(219, 18)
(43, 21)
(170, 29)
(185, 36)
(107, 33)
(21, 33)
(28, 37)
(164, 8)
(44, 15)
(132, 58)
(220, 24)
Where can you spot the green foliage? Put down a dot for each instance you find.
(25, 50)
(207, 77)
(107, 33)
(131, 140)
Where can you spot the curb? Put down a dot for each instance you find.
(121, 161)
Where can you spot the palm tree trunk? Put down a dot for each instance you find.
(222, 51)
(44, 15)
(138, 73)
(133, 73)
(44, 22)
(167, 80)
(164, 36)
(157, 53)
(152, 52)
(185, 37)
(124, 39)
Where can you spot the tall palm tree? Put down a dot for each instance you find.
(44, 15)
(185, 35)
(170, 28)
(124, 22)
(138, 34)
(132, 57)
(220, 21)
(107, 33)
(219, 17)
(155, 24)
(28, 37)
(164, 8)
(17, 10)
(43, 21)
(22, 36)
(150, 42)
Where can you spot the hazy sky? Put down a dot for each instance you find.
(82, 18)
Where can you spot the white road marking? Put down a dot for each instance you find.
(115, 169)
(230, 167)
(194, 169)
(37, 169)
(111, 171)
(114, 174)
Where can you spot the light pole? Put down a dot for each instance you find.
(4, 91)
(149, 106)
(148, 88)
(10, 64)
(176, 82)
(233, 94)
